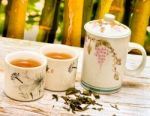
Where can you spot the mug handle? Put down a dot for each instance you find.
(143, 62)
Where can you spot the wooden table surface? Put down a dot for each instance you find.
(132, 100)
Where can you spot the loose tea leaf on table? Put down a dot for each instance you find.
(98, 104)
(72, 91)
(55, 97)
(75, 104)
(114, 106)
(87, 93)
(96, 95)
(66, 99)
(78, 101)
(66, 109)
(100, 109)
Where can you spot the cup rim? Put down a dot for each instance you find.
(63, 46)
(43, 63)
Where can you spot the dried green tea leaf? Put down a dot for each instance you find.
(66, 109)
(100, 109)
(66, 99)
(72, 91)
(94, 108)
(96, 95)
(86, 107)
(78, 108)
(114, 106)
(98, 104)
(80, 101)
(87, 93)
(114, 115)
(85, 100)
(55, 97)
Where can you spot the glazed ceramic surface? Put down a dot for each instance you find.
(105, 50)
(60, 74)
(25, 84)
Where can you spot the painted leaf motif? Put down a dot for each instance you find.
(15, 76)
(27, 89)
(72, 67)
(116, 76)
(118, 61)
(89, 49)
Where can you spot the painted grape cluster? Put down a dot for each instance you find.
(102, 49)
(101, 53)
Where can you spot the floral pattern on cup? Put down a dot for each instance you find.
(102, 49)
(72, 67)
(49, 70)
(28, 86)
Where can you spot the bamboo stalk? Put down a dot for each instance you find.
(127, 13)
(140, 20)
(117, 8)
(147, 41)
(72, 22)
(103, 8)
(88, 6)
(15, 18)
(52, 34)
(7, 10)
(46, 21)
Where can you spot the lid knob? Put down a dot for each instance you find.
(109, 17)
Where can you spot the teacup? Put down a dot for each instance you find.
(61, 68)
(105, 51)
(25, 75)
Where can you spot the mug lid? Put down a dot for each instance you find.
(107, 27)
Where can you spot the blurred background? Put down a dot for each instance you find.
(62, 21)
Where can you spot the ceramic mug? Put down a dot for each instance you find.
(24, 83)
(60, 73)
(105, 51)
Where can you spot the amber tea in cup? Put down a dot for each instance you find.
(58, 55)
(28, 63)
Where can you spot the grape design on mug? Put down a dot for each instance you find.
(101, 53)
(102, 49)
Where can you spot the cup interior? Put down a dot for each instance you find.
(25, 55)
(59, 49)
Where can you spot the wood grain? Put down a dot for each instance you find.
(132, 100)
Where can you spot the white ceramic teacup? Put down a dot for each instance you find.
(105, 51)
(24, 83)
(60, 74)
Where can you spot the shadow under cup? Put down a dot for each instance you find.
(24, 83)
(60, 73)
